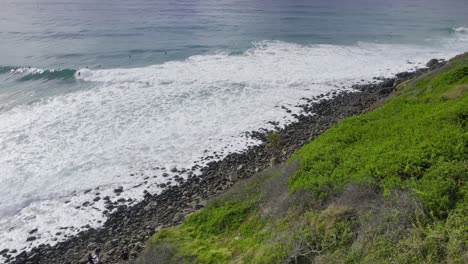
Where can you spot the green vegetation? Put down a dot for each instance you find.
(273, 140)
(389, 186)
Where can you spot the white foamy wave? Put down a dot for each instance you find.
(166, 115)
(463, 30)
(31, 70)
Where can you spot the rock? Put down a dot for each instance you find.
(178, 217)
(138, 246)
(33, 231)
(96, 254)
(118, 189)
(201, 204)
(111, 252)
(97, 199)
(84, 260)
(109, 206)
(4, 251)
(432, 62)
(150, 206)
(404, 75)
(147, 195)
(33, 257)
(31, 238)
(91, 246)
(388, 83)
(274, 161)
(188, 215)
(233, 176)
(124, 254)
(240, 167)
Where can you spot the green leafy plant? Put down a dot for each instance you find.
(273, 140)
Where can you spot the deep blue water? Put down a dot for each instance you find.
(97, 93)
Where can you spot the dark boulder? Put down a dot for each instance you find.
(388, 83)
(432, 63)
(31, 238)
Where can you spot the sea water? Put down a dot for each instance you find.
(100, 94)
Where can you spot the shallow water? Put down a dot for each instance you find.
(95, 95)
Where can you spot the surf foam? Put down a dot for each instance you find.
(460, 30)
(59, 153)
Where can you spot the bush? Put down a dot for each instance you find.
(273, 140)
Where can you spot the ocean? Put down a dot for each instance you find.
(95, 95)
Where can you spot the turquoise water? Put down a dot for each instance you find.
(97, 94)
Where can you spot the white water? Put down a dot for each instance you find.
(163, 115)
(461, 30)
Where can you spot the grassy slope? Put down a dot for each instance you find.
(389, 186)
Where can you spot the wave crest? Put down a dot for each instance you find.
(31, 73)
(462, 30)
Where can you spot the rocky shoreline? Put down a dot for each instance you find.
(123, 235)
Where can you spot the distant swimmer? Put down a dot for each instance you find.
(79, 73)
(165, 52)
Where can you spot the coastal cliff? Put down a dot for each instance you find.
(388, 186)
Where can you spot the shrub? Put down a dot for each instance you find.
(273, 140)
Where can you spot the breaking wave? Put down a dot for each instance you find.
(31, 73)
(53, 151)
